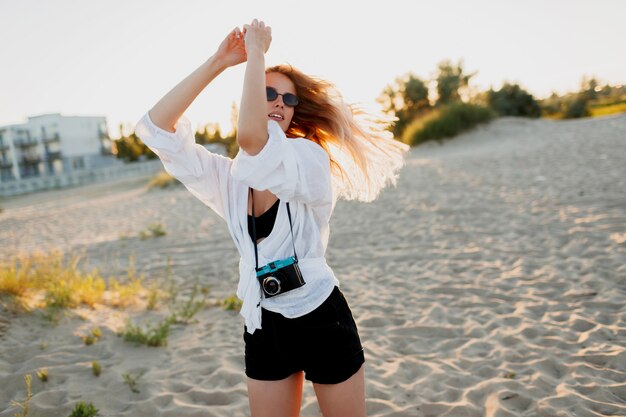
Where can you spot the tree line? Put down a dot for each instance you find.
(434, 108)
(131, 149)
(447, 104)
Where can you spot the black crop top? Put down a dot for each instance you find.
(264, 223)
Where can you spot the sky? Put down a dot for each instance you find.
(117, 58)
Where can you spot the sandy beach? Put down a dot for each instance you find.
(490, 282)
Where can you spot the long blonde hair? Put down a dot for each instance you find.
(364, 156)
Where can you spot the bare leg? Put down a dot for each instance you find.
(346, 399)
(276, 398)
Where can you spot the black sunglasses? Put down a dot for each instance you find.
(289, 99)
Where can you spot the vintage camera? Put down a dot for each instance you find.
(280, 276)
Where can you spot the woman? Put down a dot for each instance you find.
(300, 148)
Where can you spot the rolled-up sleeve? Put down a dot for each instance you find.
(204, 173)
(291, 168)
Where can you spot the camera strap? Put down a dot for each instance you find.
(256, 253)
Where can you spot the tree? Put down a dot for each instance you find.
(451, 81)
(212, 133)
(577, 108)
(588, 87)
(131, 148)
(512, 100)
(406, 99)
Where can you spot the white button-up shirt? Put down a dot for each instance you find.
(296, 170)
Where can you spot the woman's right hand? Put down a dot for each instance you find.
(232, 50)
(257, 36)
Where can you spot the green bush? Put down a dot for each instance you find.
(578, 108)
(447, 122)
(151, 336)
(406, 100)
(84, 410)
(512, 100)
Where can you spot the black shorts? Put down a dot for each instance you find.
(324, 343)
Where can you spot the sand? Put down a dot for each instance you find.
(490, 282)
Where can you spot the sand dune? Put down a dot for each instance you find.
(490, 282)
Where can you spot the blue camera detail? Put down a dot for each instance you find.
(275, 265)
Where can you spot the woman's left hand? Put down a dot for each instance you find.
(257, 36)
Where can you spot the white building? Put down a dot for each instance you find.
(52, 144)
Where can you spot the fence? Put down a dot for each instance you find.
(80, 177)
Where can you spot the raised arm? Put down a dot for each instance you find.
(252, 124)
(168, 110)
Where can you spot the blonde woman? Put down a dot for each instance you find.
(300, 148)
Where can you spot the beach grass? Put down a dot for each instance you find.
(181, 311)
(446, 122)
(131, 381)
(153, 230)
(92, 337)
(96, 368)
(154, 294)
(607, 109)
(24, 405)
(162, 180)
(231, 302)
(150, 335)
(50, 281)
(82, 409)
(56, 284)
(42, 374)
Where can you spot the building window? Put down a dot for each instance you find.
(78, 163)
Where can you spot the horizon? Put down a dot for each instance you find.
(123, 62)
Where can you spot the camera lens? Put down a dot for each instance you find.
(271, 285)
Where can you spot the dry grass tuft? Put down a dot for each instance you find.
(50, 281)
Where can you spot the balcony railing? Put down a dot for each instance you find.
(54, 138)
(52, 155)
(31, 159)
(5, 164)
(25, 142)
(4, 146)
